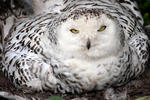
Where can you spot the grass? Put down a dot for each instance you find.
(143, 98)
(55, 98)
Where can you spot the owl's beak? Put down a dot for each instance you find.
(88, 44)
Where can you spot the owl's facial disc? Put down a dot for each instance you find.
(95, 36)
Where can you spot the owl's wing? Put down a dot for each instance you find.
(133, 7)
(10, 11)
(24, 48)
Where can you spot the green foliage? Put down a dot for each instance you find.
(144, 6)
(55, 98)
(144, 98)
(146, 18)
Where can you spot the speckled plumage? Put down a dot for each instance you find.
(37, 57)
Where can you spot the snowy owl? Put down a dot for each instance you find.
(82, 46)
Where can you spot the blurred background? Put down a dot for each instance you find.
(144, 6)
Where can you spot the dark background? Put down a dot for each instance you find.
(144, 6)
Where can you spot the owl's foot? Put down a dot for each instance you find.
(111, 95)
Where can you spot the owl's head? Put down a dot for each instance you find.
(90, 34)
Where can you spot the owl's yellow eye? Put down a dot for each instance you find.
(74, 31)
(102, 28)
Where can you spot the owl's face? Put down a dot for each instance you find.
(87, 36)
